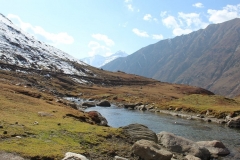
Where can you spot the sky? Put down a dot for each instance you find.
(84, 28)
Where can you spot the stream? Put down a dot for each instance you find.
(192, 129)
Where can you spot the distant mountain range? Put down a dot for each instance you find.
(208, 58)
(98, 60)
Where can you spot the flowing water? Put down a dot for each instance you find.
(191, 129)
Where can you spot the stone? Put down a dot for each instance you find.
(10, 156)
(98, 118)
(130, 106)
(119, 158)
(74, 156)
(89, 104)
(234, 122)
(215, 147)
(191, 157)
(104, 104)
(44, 114)
(149, 150)
(182, 145)
(141, 108)
(139, 131)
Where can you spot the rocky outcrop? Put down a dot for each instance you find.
(104, 104)
(149, 150)
(234, 122)
(74, 156)
(182, 145)
(98, 118)
(139, 132)
(215, 147)
(130, 106)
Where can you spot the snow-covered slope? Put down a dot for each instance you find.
(99, 61)
(22, 49)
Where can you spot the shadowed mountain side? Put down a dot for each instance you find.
(207, 58)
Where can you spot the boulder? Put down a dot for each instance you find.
(182, 145)
(98, 118)
(9, 156)
(191, 157)
(215, 147)
(139, 131)
(234, 122)
(149, 150)
(119, 158)
(74, 156)
(89, 104)
(104, 104)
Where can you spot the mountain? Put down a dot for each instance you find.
(208, 58)
(21, 49)
(22, 53)
(98, 60)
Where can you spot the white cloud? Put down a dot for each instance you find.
(227, 13)
(97, 49)
(163, 14)
(157, 36)
(170, 22)
(59, 38)
(140, 33)
(127, 1)
(191, 20)
(130, 7)
(198, 5)
(180, 31)
(147, 17)
(103, 38)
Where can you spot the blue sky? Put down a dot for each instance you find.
(84, 28)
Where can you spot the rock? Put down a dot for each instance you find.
(104, 104)
(1, 126)
(141, 108)
(98, 118)
(149, 150)
(130, 106)
(191, 157)
(36, 123)
(119, 158)
(5, 132)
(234, 122)
(9, 156)
(74, 156)
(19, 137)
(89, 104)
(139, 131)
(215, 147)
(182, 145)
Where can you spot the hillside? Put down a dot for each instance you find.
(99, 60)
(208, 58)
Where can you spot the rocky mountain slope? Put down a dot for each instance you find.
(21, 49)
(208, 58)
(99, 60)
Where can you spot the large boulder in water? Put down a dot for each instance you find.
(149, 150)
(98, 118)
(89, 104)
(215, 147)
(104, 104)
(139, 131)
(182, 145)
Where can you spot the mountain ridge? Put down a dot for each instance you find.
(201, 58)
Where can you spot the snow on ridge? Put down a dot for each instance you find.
(20, 48)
